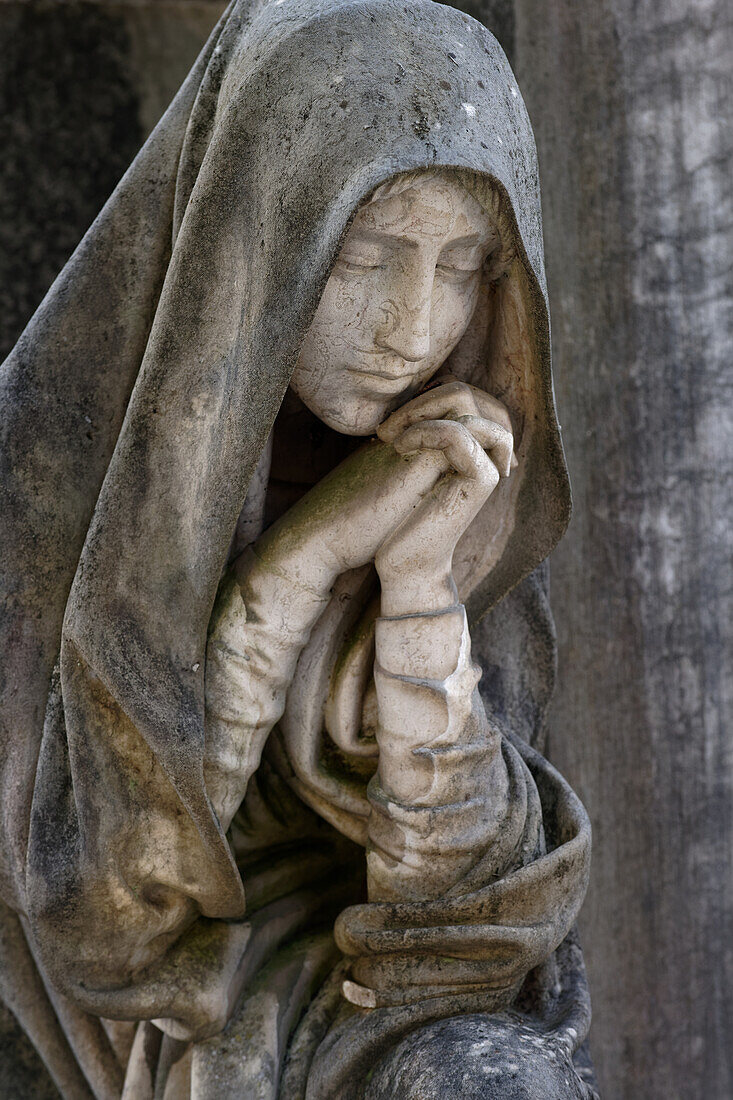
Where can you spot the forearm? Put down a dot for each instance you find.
(275, 593)
(416, 592)
(261, 622)
(441, 789)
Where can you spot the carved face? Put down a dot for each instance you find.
(400, 296)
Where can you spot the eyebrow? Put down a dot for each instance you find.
(470, 241)
(374, 236)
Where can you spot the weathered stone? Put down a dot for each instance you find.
(631, 105)
(476, 1058)
(282, 835)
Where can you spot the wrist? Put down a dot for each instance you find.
(417, 592)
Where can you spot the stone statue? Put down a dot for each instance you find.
(280, 469)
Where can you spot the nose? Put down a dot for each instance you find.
(407, 329)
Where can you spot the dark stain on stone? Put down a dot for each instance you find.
(421, 125)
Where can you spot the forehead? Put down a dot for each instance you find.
(436, 207)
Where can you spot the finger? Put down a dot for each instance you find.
(493, 438)
(486, 404)
(453, 399)
(491, 408)
(427, 537)
(453, 439)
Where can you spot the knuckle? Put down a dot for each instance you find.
(457, 391)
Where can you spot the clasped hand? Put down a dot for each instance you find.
(402, 501)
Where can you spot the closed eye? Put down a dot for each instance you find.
(452, 271)
(357, 266)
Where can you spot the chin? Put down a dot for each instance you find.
(362, 421)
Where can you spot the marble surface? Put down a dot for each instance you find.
(272, 824)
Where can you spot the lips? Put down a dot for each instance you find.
(382, 382)
(382, 374)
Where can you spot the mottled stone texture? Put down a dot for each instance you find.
(631, 106)
(81, 85)
(475, 1058)
(498, 16)
(22, 1074)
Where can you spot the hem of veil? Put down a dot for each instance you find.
(361, 996)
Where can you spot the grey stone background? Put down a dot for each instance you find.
(632, 105)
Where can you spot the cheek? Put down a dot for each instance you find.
(324, 343)
(346, 309)
(452, 309)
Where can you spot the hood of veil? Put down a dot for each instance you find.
(138, 401)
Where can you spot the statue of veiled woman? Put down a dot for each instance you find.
(280, 468)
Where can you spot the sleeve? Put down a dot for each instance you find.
(478, 850)
(441, 790)
(260, 625)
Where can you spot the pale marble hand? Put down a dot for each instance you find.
(405, 511)
(347, 517)
(462, 423)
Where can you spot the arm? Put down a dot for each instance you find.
(261, 622)
(441, 790)
(441, 787)
(275, 593)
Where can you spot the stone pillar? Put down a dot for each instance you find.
(631, 106)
